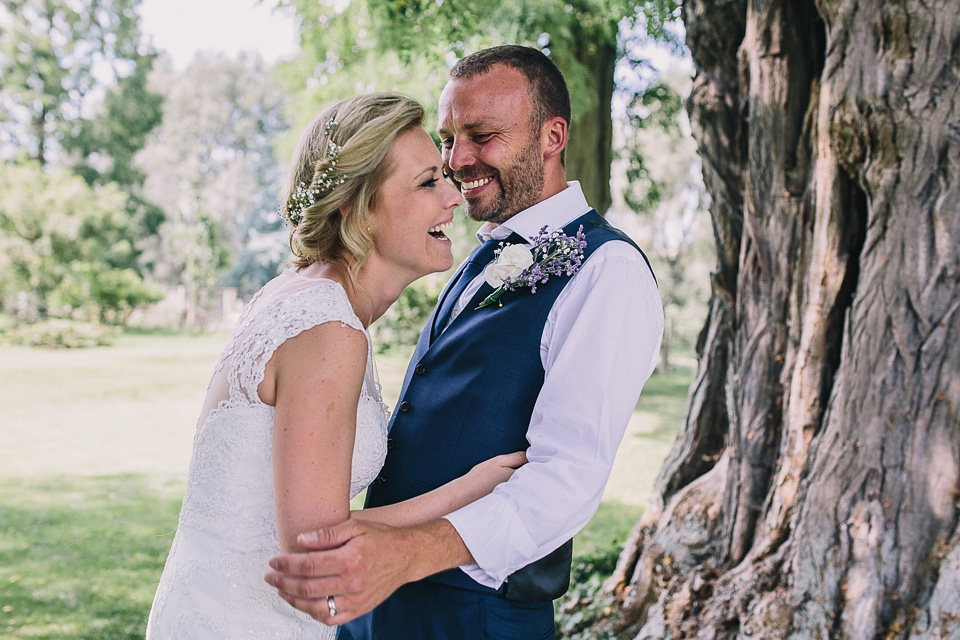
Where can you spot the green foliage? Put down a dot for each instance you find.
(659, 181)
(427, 33)
(74, 94)
(658, 108)
(453, 25)
(401, 325)
(118, 292)
(61, 334)
(211, 169)
(342, 56)
(53, 56)
(80, 557)
(106, 143)
(65, 245)
(585, 602)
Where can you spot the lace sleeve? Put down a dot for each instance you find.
(283, 319)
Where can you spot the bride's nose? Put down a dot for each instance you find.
(452, 197)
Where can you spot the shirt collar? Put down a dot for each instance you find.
(555, 212)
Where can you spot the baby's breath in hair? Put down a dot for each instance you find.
(324, 181)
(343, 185)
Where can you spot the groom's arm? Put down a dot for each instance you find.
(361, 563)
(514, 525)
(598, 349)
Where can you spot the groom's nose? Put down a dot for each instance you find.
(459, 154)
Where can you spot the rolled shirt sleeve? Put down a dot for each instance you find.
(599, 346)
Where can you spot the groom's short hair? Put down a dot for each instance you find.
(548, 89)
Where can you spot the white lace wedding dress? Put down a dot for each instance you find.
(212, 585)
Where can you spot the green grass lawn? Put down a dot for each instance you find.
(96, 444)
(80, 557)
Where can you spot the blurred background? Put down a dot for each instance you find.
(142, 145)
(142, 148)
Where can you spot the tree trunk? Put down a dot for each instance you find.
(590, 148)
(813, 490)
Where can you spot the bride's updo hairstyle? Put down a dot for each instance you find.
(339, 166)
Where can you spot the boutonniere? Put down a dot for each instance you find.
(516, 265)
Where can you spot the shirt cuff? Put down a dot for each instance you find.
(497, 539)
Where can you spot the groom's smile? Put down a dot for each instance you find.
(469, 186)
(490, 144)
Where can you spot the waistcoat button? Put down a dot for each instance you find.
(420, 370)
(405, 406)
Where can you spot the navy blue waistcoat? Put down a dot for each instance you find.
(470, 395)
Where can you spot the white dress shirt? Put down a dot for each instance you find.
(599, 346)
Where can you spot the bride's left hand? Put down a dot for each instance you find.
(496, 470)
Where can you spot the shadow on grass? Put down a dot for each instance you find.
(81, 557)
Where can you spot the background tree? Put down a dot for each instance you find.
(73, 97)
(659, 197)
(812, 492)
(581, 36)
(103, 146)
(65, 248)
(57, 61)
(211, 169)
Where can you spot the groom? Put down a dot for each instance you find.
(556, 372)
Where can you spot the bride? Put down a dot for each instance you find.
(293, 425)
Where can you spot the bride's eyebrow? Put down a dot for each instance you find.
(429, 170)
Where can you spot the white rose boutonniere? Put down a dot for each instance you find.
(511, 262)
(553, 254)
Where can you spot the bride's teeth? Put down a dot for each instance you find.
(440, 228)
(475, 183)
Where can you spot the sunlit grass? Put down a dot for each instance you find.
(81, 557)
(97, 443)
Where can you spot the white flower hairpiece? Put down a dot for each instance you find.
(328, 179)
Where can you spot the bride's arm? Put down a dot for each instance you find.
(314, 381)
(457, 493)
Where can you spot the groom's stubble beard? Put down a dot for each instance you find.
(520, 185)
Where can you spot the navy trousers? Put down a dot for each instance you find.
(432, 611)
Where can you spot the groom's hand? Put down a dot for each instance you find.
(349, 561)
(360, 564)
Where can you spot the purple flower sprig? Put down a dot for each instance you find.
(553, 254)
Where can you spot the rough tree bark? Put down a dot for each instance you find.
(813, 490)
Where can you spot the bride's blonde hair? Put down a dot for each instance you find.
(335, 226)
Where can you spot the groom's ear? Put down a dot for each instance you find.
(553, 137)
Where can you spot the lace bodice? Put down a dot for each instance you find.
(212, 584)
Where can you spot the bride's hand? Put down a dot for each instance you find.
(498, 469)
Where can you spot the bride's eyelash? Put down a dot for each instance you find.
(432, 182)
